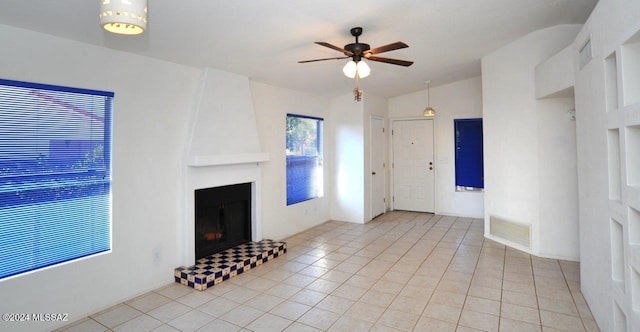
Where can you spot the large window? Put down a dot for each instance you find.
(469, 162)
(304, 158)
(55, 175)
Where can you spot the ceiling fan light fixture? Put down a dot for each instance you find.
(125, 17)
(363, 69)
(350, 69)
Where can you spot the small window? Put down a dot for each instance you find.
(55, 175)
(304, 158)
(468, 154)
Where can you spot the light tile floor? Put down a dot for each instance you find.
(403, 271)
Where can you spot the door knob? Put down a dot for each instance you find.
(373, 173)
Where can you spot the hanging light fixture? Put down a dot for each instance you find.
(428, 112)
(357, 69)
(350, 69)
(125, 17)
(363, 69)
(360, 68)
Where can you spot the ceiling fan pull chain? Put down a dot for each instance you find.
(357, 94)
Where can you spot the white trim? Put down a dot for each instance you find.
(385, 161)
(228, 159)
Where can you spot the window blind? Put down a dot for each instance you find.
(469, 161)
(55, 175)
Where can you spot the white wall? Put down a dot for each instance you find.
(610, 25)
(554, 77)
(459, 100)
(149, 132)
(271, 107)
(348, 198)
(224, 112)
(521, 173)
(558, 180)
(556, 118)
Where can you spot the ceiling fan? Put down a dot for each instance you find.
(357, 51)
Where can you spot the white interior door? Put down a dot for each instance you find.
(413, 165)
(377, 167)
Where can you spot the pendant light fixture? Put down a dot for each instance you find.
(429, 112)
(125, 17)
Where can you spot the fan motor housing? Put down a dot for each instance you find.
(357, 48)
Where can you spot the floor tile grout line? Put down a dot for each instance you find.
(564, 277)
(504, 268)
(113, 308)
(477, 260)
(568, 288)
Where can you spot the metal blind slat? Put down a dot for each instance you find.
(55, 182)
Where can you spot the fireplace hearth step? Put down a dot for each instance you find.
(214, 269)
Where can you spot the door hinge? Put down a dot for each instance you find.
(384, 200)
(391, 132)
(393, 198)
(383, 129)
(383, 166)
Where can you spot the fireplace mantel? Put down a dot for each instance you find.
(228, 159)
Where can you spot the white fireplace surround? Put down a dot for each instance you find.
(216, 175)
(223, 149)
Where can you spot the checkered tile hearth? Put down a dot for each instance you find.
(214, 269)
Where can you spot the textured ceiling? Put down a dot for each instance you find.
(264, 39)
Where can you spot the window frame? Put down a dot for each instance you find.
(61, 194)
(314, 189)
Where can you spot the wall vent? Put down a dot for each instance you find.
(510, 231)
(586, 53)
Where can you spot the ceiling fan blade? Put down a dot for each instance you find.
(387, 48)
(339, 49)
(391, 61)
(337, 58)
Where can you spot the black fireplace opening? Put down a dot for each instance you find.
(223, 218)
